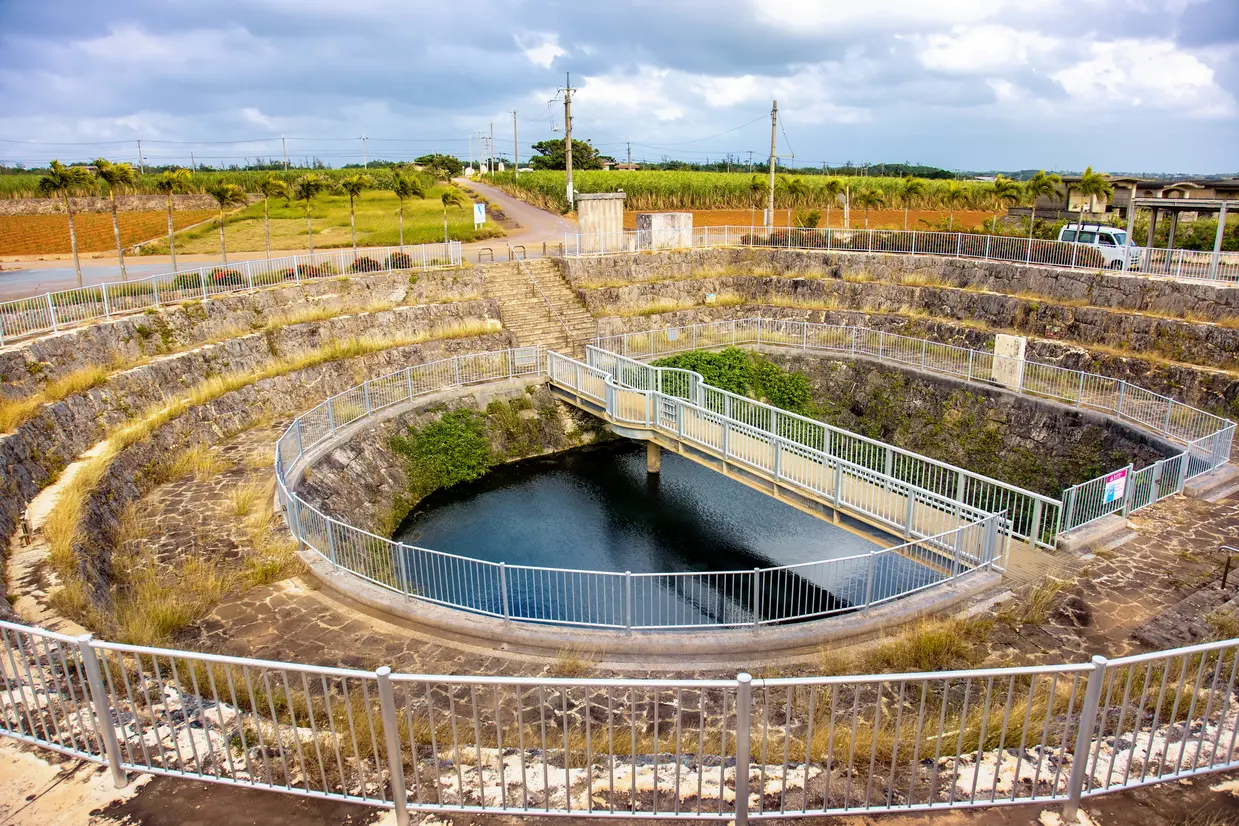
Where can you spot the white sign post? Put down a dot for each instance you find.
(479, 215)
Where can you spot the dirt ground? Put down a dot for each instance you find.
(922, 219)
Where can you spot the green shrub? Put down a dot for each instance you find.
(446, 452)
(745, 374)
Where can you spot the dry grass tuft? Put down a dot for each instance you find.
(199, 460)
(16, 412)
(152, 605)
(573, 663)
(1035, 606)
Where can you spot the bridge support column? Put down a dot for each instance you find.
(653, 458)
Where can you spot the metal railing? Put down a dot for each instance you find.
(952, 540)
(51, 311)
(1207, 438)
(631, 748)
(1031, 516)
(1176, 263)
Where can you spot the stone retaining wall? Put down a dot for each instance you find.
(1209, 389)
(364, 482)
(1099, 289)
(1194, 342)
(26, 365)
(134, 470)
(1033, 443)
(34, 454)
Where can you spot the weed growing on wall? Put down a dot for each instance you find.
(445, 452)
(747, 374)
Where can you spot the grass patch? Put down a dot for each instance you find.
(1035, 605)
(572, 662)
(243, 499)
(198, 460)
(15, 412)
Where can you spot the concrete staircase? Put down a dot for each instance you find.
(528, 314)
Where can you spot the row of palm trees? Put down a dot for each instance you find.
(66, 182)
(1002, 193)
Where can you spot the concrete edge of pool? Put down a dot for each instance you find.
(765, 642)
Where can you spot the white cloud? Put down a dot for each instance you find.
(981, 49)
(819, 16)
(646, 92)
(540, 49)
(1152, 74)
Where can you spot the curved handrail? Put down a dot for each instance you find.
(486, 587)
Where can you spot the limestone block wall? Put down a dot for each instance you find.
(1033, 443)
(130, 474)
(1099, 289)
(1204, 343)
(1207, 388)
(25, 365)
(39, 449)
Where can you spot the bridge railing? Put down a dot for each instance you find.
(628, 748)
(1207, 438)
(1032, 517)
(51, 311)
(751, 434)
(957, 540)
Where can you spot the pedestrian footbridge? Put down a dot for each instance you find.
(806, 463)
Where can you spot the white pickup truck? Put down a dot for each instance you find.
(1109, 241)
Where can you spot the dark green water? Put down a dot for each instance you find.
(596, 509)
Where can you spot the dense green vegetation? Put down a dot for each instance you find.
(445, 452)
(747, 374)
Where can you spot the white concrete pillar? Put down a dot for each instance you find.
(653, 458)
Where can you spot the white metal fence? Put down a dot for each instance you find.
(1206, 438)
(51, 311)
(1177, 263)
(707, 749)
(952, 539)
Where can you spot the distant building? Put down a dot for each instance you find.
(619, 167)
(1063, 205)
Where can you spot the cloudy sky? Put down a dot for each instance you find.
(1124, 85)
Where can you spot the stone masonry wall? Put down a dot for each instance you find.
(1099, 289)
(1032, 443)
(364, 481)
(25, 365)
(40, 448)
(1194, 342)
(131, 473)
(1203, 387)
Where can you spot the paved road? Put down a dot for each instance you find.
(527, 225)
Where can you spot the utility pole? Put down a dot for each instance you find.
(567, 90)
(192, 163)
(630, 152)
(774, 127)
(750, 162)
(284, 146)
(492, 150)
(365, 156)
(141, 170)
(516, 149)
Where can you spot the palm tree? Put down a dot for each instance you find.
(170, 181)
(1040, 185)
(64, 182)
(272, 186)
(305, 189)
(119, 177)
(1004, 192)
(832, 188)
(869, 199)
(953, 195)
(1091, 185)
(405, 185)
(797, 192)
(449, 198)
(910, 189)
(353, 186)
(226, 195)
